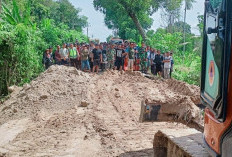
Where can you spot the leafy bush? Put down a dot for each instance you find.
(187, 65)
(187, 68)
(21, 55)
(23, 43)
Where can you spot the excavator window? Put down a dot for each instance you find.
(214, 56)
(215, 3)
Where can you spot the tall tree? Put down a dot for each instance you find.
(68, 14)
(188, 6)
(171, 12)
(61, 11)
(179, 26)
(136, 11)
(201, 23)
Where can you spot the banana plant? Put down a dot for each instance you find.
(13, 17)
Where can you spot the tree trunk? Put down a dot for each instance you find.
(185, 11)
(134, 19)
(138, 26)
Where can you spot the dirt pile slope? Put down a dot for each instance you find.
(45, 118)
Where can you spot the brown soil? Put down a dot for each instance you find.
(65, 112)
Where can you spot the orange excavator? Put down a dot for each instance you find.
(216, 93)
(216, 77)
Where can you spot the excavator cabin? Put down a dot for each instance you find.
(216, 85)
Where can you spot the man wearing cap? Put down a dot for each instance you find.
(73, 56)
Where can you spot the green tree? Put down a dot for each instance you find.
(66, 13)
(179, 27)
(134, 13)
(62, 11)
(201, 23)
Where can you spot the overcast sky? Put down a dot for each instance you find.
(97, 28)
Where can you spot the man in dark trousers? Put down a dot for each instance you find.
(158, 62)
(120, 53)
(97, 58)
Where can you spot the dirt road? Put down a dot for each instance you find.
(45, 118)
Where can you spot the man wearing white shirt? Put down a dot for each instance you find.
(167, 65)
(64, 53)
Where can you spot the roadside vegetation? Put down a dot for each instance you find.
(28, 28)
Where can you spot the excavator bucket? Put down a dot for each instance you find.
(149, 112)
(189, 115)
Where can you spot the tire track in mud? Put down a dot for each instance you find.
(126, 133)
(108, 126)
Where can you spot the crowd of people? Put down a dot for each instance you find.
(120, 56)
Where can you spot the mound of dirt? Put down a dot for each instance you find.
(65, 112)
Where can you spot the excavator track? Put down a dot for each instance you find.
(179, 143)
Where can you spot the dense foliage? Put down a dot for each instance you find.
(26, 31)
(187, 64)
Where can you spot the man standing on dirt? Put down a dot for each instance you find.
(97, 58)
(104, 56)
(110, 57)
(78, 48)
(57, 56)
(74, 55)
(51, 53)
(85, 59)
(92, 46)
(47, 59)
(120, 53)
(167, 65)
(152, 57)
(131, 53)
(172, 64)
(158, 62)
(143, 58)
(148, 58)
(64, 53)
